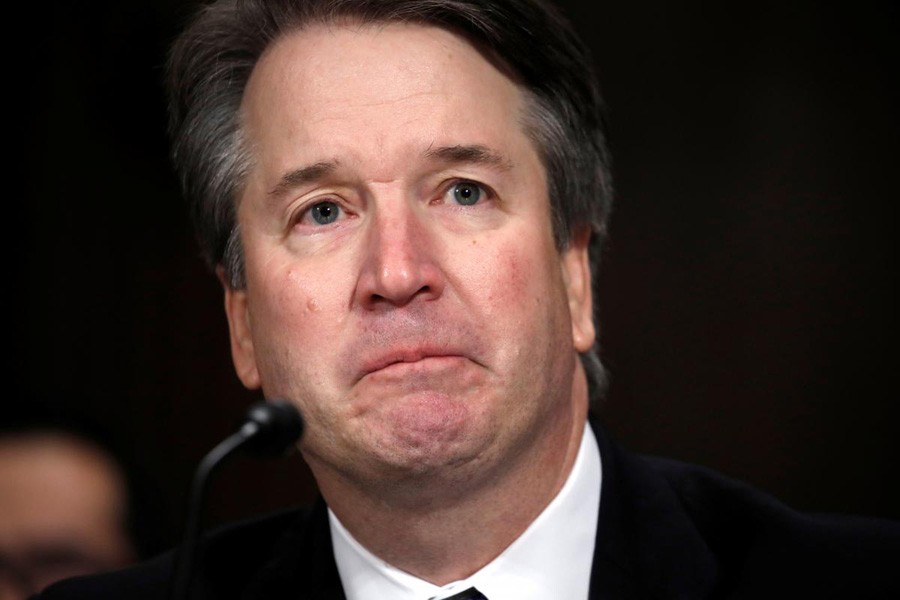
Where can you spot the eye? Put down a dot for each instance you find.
(324, 213)
(466, 193)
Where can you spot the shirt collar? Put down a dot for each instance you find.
(539, 564)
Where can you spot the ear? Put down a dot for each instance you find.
(242, 353)
(576, 270)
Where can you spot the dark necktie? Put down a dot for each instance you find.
(469, 594)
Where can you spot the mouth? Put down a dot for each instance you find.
(402, 362)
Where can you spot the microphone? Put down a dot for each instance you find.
(269, 429)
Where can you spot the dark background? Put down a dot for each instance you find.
(748, 305)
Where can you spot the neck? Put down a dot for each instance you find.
(442, 531)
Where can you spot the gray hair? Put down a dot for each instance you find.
(212, 60)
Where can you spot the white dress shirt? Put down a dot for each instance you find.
(551, 559)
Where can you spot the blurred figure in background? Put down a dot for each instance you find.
(69, 503)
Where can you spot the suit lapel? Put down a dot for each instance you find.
(302, 567)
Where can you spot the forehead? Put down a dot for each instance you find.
(389, 84)
(50, 478)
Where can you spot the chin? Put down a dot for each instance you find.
(423, 447)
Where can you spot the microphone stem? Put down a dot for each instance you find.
(188, 550)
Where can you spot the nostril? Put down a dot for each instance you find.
(377, 299)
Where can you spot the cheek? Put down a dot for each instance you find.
(529, 273)
(520, 289)
(287, 299)
(294, 319)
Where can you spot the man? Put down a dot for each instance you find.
(401, 199)
(62, 512)
(71, 501)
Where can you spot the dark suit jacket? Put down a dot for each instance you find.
(666, 530)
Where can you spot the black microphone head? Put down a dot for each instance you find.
(272, 427)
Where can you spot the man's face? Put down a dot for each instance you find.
(403, 287)
(62, 512)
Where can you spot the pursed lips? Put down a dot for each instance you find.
(411, 356)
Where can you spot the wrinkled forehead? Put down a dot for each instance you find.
(416, 37)
(400, 82)
(362, 22)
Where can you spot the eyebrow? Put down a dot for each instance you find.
(472, 154)
(302, 176)
(459, 154)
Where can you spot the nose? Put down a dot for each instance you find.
(400, 261)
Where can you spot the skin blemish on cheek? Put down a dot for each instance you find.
(312, 305)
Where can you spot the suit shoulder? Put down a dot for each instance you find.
(233, 552)
(711, 496)
(753, 533)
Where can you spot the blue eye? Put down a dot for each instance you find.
(467, 193)
(324, 213)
